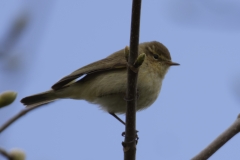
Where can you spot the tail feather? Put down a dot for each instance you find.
(39, 99)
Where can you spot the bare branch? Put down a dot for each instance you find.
(5, 154)
(16, 117)
(129, 143)
(219, 141)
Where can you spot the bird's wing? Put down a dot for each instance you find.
(114, 61)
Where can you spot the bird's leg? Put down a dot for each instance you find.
(119, 119)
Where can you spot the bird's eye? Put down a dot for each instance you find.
(155, 56)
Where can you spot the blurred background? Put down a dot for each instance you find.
(42, 41)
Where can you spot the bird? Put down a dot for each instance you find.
(104, 82)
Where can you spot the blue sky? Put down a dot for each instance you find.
(198, 101)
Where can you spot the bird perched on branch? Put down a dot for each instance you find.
(104, 82)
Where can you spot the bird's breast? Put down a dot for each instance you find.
(149, 86)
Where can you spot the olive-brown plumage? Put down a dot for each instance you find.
(105, 81)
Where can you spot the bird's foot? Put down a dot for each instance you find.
(136, 136)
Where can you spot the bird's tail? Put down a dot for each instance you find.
(39, 99)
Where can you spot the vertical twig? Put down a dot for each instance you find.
(129, 143)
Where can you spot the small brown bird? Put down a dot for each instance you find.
(105, 81)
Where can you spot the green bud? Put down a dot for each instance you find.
(126, 53)
(17, 154)
(7, 98)
(140, 60)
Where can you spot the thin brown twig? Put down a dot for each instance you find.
(16, 117)
(129, 143)
(219, 141)
(5, 154)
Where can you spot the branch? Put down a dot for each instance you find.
(129, 143)
(219, 141)
(5, 154)
(16, 117)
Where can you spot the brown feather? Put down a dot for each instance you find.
(114, 61)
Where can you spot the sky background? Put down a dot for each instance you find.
(198, 101)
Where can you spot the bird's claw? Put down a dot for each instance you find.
(136, 136)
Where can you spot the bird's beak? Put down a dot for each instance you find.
(170, 63)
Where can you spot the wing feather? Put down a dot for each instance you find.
(114, 61)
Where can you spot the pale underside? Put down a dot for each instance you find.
(110, 96)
